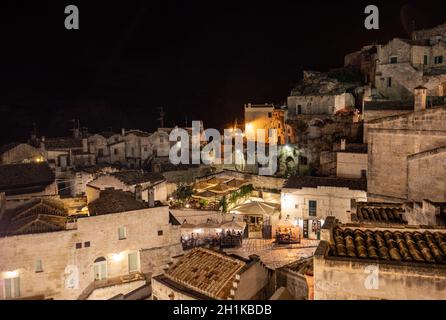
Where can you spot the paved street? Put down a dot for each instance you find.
(275, 256)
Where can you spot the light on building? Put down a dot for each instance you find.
(218, 230)
(11, 274)
(39, 159)
(198, 230)
(188, 206)
(117, 257)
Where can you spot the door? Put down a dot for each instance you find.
(12, 288)
(133, 262)
(100, 269)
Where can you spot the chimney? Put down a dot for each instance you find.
(84, 145)
(343, 144)
(123, 132)
(420, 94)
(151, 197)
(138, 193)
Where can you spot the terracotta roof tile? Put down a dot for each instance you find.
(387, 245)
(207, 272)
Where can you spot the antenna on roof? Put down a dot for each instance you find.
(161, 116)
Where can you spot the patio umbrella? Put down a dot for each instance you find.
(232, 226)
(257, 208)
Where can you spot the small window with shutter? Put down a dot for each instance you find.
(133, 262)
(39, 266)
(122, 233)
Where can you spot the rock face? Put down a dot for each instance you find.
(321, 83)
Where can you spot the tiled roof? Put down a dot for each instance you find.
(314, 182)
(379, 214)
(303, 266)
(220, 188)
(62, 143)
(235, 183)
(138, 133)
(132, 177)
(9, 146)
(115, 201)
(107, 134)
(387, 245)
(15, 177)
(207, 272)
(36, 216)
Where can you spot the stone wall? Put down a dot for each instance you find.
(331, 201)
(391, 142)
(351, 165)
(58, 250)
(427, 171)
(258, 182)
(343, 279)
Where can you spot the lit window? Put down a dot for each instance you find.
(122, 233)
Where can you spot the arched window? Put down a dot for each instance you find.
(100, 269)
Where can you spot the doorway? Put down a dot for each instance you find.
(100, 269)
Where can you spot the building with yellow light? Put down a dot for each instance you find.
(264, 117)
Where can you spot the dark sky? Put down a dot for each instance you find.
(196, 59)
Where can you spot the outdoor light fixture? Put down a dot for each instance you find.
(117, 257)
(11, 274)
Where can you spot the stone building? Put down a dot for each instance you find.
(82, 176)
(320, 94)
(47, 255)
(27, 181)
(204, 274)
(403, 64)
(135, 181)
(297, 278)
(352, 161)
(308, 201)
(379, 262)
(265, 117)
(406, 155)
(15, 153)
(364, 60)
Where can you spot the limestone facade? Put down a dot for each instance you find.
(61, 265)
(406, 157)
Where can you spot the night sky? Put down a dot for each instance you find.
(196, 59)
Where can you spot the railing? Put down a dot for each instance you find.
(110, 282)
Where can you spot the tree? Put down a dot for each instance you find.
(223, 204)
(183, 192)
